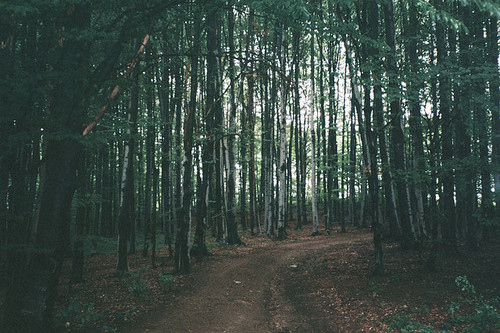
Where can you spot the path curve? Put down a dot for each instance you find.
(243, 293)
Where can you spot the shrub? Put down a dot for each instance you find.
(484, 317)
(402, 322)
(168, 282)
(76, 314)
(136, 285)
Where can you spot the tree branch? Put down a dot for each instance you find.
(116, 89)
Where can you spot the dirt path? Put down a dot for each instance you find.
(247, 292)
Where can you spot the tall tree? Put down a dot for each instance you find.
(494, 83)
(397, 136)
(30, 298)
(414, 87)
(232, 227)
(282, 51)
(444, 91)
(126, 215)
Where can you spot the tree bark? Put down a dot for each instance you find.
(296, 106)
(492, 43)
(397, 136)
(444, 91)
(282, 135)
(30, 297)
(232, 227)
(126, 215)
(312, 128)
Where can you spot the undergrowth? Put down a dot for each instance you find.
(136, 285)
(76, 315)
(477, 315)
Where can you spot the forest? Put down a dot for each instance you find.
(163, 127)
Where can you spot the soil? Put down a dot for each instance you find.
(302, 284)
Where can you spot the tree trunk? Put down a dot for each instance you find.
(232, 227)
(166, 131)
(282, 135)
(494, 82)
(397, 136)
(150, 165)
(447, 200)
(414, 86)
(126, 215)
(312, 128)
(372, 140)
(219, 210)
(296, 106)
(199, 246)
(80, 220)
(352, 169)
(30, 297)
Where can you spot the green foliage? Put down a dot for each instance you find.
(77, 314)
(168, 282)
(441, 16)
(488, 6)
(290, 11)
(483, 317)
(463, 283)
(97, 244)
(402, 322)
(453, 307)
(375, 288)
(136, 285)
(122, 316)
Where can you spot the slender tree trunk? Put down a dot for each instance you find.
(199, 246)
(322, 141)
(352, 169)
(397, 136)
(332, 179)
(107, 194)
(166, 131)
(282, 136)
(414, 87)
(177, 148)
(480, 113)
(127, 206)
(244, 165)
(267, 150)
(232, 227)
(150, 166)
(387, 178)
(465, 191)
(494, 82)
(444, 91)
(296, 105)
(372, 141)
(251, 120)
(218, 132)
(80, 220)
(314, 200)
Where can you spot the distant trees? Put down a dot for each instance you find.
(239, 115)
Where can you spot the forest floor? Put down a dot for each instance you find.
(302, 284)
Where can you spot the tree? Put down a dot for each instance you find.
(282, 131)
(232, 227)
(30, 298)
(127, 203)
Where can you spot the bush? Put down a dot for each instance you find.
(402, 322)
(484, 317)
(136, 285)
(76, 314)
(168, 282)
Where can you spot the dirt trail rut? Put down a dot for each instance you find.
(244, 293)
